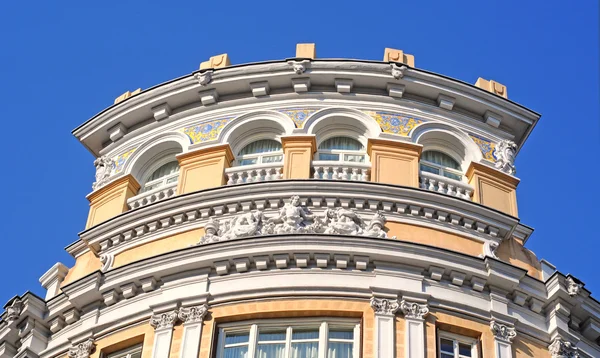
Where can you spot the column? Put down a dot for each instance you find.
(163, 332)
(192, 318)
(493, 188)
(203, 168)
(111, 199)
(394, 162)
(414, 315)
(385, 321)
(298, 152)
(503, 336)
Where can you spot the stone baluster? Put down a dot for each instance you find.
(355, 174)
(317, 173)
(431, 185)
(451, 190)
(344, 173)
(230, 178)
(441, 187)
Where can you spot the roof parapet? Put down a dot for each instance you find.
(492, 86)
(126, 95)
(218, 61)
(394, 55)
(306, 51)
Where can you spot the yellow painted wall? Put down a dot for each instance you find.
(523, 347)
(298, 153)
(493, 188)
(423, 235)
(157, 247)
(176, 340)
(203, 168)
(394, 162)
(513, 252)
(400, 336)
(127, 338)
(84, 265)
(111, 200)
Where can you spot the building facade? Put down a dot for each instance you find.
(305, 208)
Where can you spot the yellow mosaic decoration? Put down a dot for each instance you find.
(206, 131)
(487, 147)
(395, 123)
(121, 159)
(298, 115)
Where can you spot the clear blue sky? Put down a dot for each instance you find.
(61, 64)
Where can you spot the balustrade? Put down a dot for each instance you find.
(341, 171)
(152, 196)
(444, 185)
(254, 173)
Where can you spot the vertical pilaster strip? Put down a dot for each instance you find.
(414, 315)
(385, 321)
(163, 332)
(192, 318)
(503, 336)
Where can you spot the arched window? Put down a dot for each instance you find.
(165, 174)
(343, 149)
(440, 163)
(262, 151)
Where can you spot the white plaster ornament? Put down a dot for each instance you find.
(384, 305)
(204, 78)
(104, 167)
(192, 314)
(505, 153)
(562, 349)
(573, 287)
(83, 349)
(164, 320)
(503, 332)
(13, 312)
(414, 310)
(398, 71)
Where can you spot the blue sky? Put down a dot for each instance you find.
(61, 64)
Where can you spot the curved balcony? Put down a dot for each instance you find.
(152, 196)
(340, 170)
(254, 173)
(445, 185)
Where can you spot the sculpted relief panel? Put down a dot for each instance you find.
(294, 219)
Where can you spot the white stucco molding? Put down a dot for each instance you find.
(449, 139)
(53, 278)
(358, 121)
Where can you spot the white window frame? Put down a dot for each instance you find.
(322, 324)
(442, 168)
(162, 181)
(341, 152)
(125, 353)
(259, 156)
(456, 339)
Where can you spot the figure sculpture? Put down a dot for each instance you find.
(505, 153)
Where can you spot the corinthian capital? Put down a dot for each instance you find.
(503, 332)
(562, 349)
(384, 305)
(164, 320)
(414, 309)
(82, 350)
(193, 314)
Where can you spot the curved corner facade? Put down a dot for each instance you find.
(305, 208)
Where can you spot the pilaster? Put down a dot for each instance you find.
(503, 337)
(203, 168)
(414, 315)
(163, 332)
(298, 152)
(394, 162)
(493, 188)
(192, 318)
(385, 319)
(111, 199)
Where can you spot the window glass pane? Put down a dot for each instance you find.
(305, 350)
(165, 170)
(305, 334)
(444, 355)
(343, 143)
(440, 158)
(136, 355)
(153, 186)
(341, 334)
(354, 158)
(236, 352)
(261, 146)
(339, 350)
(172, 180)
(272, 159)
(270, 350)
(447, 346)
(233, 338)
(249, 161)
(328, 156)
(464, 350)
(428, 169)
(447, 174)
(271, 336)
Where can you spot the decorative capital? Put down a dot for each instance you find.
(384, 305)
(503, 332)
(573, 287)
(193, 314)
(83, 349)
(414, 310)
(562, 349)
(164, 320)
(204, 78)
(398, 71)
(14, 310)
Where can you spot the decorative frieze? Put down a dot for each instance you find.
(164, 320)
(414, 310)
(192, 314)
(562, 349)
(503, 332)
(83, 349)
(384, 306)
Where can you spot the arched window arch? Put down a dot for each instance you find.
(162, 173)
(342, 149)
(263, 151)
(436, 162)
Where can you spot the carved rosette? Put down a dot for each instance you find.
(573, 287)
(414, 310)
(192, 314)
(164, 320)
(503, 332)
(562, 349)
(385, 306)
(13, 312)
(83, 349)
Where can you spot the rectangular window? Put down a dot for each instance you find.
(454, 346)
(298, 338)
(131, 352)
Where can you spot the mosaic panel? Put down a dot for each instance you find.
(395, 123)
(486, 147)
(121, 159)
(298, 115)
(206, 131)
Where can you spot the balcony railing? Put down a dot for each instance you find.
(152, 196)
(254, 173)
(340, 170)
(442, 184)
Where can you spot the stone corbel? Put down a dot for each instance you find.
(398, 71)
(204, 78)
(299, 66)
(83, 349)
